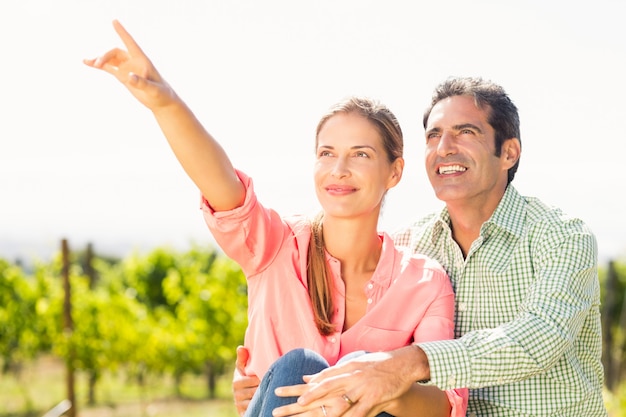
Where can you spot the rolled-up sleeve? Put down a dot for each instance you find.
(251, 234)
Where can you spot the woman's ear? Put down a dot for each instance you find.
(397, 167)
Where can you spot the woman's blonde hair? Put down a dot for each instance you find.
(318, 276)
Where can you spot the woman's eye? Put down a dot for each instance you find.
(362, 155)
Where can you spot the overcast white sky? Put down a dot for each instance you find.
(80, 159)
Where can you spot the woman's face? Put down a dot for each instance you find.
(352, 170)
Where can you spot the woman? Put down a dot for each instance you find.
(331, 285)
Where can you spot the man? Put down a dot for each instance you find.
(528, 337)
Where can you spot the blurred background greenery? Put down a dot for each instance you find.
(156, 331)
(154, 334)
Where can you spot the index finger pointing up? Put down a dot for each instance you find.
(131, 46)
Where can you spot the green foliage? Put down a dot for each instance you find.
(616, 401)
(171, 314)
(613, 293)
(146, 275)
(204, 315)
(164, 313)
(20, 325)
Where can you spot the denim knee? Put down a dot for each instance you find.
(299, 362)
(287, 370)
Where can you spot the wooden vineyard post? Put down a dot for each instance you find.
(68, 327)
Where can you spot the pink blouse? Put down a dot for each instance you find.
(410, 298)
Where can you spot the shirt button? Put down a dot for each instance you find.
(369, 301)
(370, 285)
(451, 380)
(462, 306)
(333, 340)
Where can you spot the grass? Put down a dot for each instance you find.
(42, 384)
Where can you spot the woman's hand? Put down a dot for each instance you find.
(244, 386)
(135, 70)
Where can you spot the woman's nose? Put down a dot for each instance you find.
(340, 168)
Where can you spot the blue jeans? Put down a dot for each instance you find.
(287, 370)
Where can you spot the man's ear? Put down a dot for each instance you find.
(511, 150)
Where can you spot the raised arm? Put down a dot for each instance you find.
(201, 156)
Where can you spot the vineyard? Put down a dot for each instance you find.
(164, 320)
(155, 334)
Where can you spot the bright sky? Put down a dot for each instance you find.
(80, 159)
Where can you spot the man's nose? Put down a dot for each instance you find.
(447, 144)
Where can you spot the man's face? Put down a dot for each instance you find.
(460, 155)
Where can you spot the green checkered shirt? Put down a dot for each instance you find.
(528, 337)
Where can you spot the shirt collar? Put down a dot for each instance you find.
(509, 216)
(384, 270)
(510, 213)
